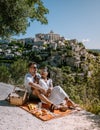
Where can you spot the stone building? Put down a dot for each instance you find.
(49, 37)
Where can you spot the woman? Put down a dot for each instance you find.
(55, 94)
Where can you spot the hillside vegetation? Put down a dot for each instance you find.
(73, 67)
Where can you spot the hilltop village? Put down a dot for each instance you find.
(51, 49)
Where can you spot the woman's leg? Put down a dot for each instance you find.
(64, 96)
(69, 102)
(57, 95)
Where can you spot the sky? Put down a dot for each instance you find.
(72, 19)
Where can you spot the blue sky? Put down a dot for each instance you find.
(73, 19)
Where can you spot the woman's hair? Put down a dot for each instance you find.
(45, 69)
(31, 63)
(48, 74)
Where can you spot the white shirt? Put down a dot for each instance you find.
(45, 84)
(29, 79)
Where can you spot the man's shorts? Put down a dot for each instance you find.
(33, 98)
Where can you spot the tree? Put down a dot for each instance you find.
(4, 74)
(18, 70)
(16, 15)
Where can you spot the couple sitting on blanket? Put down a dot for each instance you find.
(55, 97)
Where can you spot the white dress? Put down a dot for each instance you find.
(57, 95)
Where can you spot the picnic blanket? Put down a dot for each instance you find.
(43, 113)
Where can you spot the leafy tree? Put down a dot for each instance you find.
(18, 70)
(66, 42)
(15, 15)
(81, 44)
(37, 58)
(4, 74)
(66, 69)
(57, 75)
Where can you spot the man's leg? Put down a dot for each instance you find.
(42, 97)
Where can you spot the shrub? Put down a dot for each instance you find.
(4, 74)
(18, 70)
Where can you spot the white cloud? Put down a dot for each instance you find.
(67, 39)
(86, 40)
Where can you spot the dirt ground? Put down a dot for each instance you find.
(15, 118)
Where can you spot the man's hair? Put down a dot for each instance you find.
(31, 63)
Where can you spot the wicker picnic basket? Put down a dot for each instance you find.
(18, 97)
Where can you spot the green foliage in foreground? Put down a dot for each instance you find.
(82, 90)
(4, 74)
(18, 70)
(15, 15)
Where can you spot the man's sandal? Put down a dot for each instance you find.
(52, 107)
